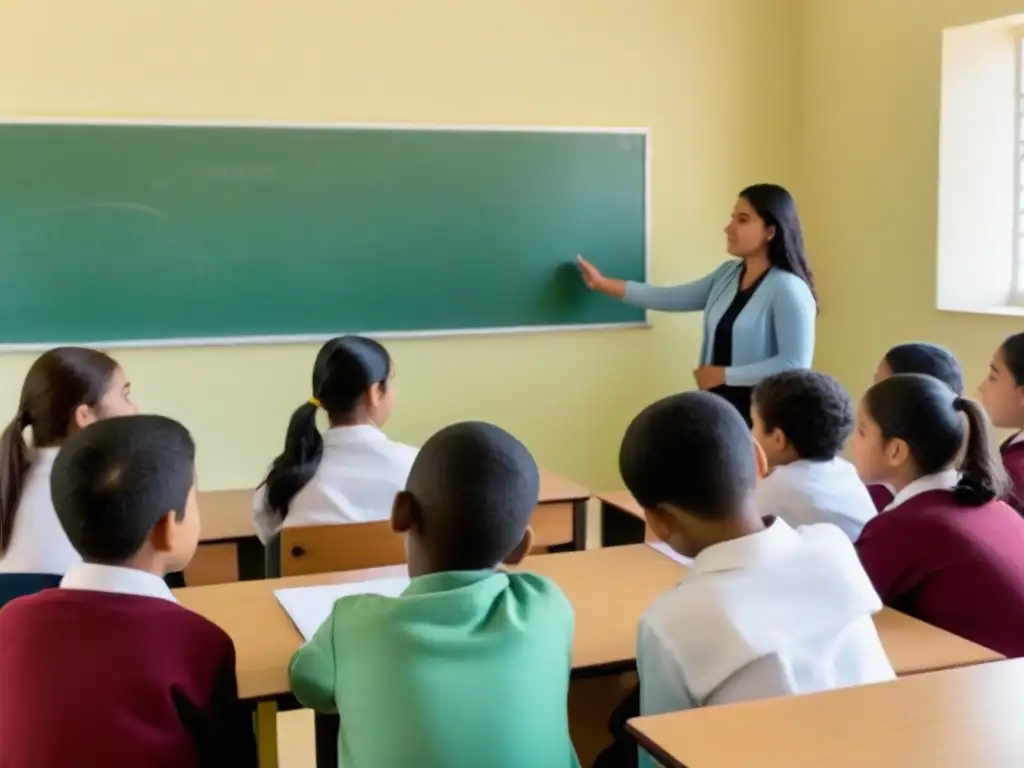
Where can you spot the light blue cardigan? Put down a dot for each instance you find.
(773, 333)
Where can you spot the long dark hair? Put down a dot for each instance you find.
(926, 414)
(56, 385)
(1013, 357)
(345, 368)
(777, 208)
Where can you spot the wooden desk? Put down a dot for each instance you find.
(949, 719)
(559, 520)
(622, 520)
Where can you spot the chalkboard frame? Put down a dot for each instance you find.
(285, 339)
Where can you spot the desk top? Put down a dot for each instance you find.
(227, 515)
(608, 588)
(949, 719)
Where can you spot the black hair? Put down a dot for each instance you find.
(929, 359)
(693, 451)
(777, 208)
(475, 487)
(1013, 357)
(812, 409)
(926, 414)
(55, 386)
(345, 368)
(116, 479)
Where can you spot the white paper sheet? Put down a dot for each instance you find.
(667, 551)
(309, 607)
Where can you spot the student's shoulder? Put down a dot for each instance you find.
(197, 627)
(538, 589)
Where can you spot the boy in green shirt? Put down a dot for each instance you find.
(470, 665)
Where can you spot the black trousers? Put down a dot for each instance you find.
(622, 753)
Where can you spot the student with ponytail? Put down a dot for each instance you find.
(1002, 394)
(65, 390)
(946, 550)
(351, 473)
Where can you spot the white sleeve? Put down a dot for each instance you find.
(264, 521)
(662, 685)
(768, 495)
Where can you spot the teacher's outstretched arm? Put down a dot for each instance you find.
(689, 297)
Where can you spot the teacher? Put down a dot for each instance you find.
(759, 310)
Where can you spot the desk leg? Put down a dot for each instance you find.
(619, 528)
(579, 524)
(327, 740)
(251, 565)
(266, 734)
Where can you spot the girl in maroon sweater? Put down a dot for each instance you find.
(915, 357)
(946, 550)
(1002, 393)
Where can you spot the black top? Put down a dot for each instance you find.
(721, 348)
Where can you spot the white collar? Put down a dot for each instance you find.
(361, 433)
(940, 481)
(1018, 438)
(117, 580)
(739, 553)
(45, 455)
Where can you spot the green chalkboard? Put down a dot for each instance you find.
(198, 234)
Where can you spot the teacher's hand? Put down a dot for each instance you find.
(595, 281)
(709, 376)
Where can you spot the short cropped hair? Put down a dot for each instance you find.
(812, 409)
(928, 359)
(114, 480)
(693, 451)
(476, 487)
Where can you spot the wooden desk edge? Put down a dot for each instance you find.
(660, 755)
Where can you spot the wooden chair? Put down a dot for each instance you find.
(342, 547)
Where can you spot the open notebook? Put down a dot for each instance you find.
(667, 551)
(308, 607)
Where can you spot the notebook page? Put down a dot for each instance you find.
(309, 607)
(667, 551)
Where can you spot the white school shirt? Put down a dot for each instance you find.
(359, 476)
(809, 492)
(38, 542)
(940, 481)
(117, 580)
(778, 612)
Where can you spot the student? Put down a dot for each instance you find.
(915, 357)
(946, 550)
(351, 474)
(65, 390)
(766, 610)
(1002, 394)
(470, 665)
(802, 419)
(108, 669)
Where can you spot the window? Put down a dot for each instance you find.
(981, 169)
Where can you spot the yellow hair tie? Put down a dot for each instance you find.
(315, 402)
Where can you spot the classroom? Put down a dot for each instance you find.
(873, 114)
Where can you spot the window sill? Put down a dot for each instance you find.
(1004, 310)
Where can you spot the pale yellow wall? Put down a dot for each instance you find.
(871, 80)
(715, 80)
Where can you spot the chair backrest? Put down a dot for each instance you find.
(14, 585)
(341, 547)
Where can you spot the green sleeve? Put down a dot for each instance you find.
(312, 670)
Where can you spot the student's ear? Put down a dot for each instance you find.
(896, 452)
(161, 538)
(404, 513)
(660, 522)
(83, 416)
(761, 460)
(517, 555)
(375, 395)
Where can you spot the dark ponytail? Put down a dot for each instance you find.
(345, 368)
(925, 413)
(777, 208)
(982, 476)
(56, 385)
